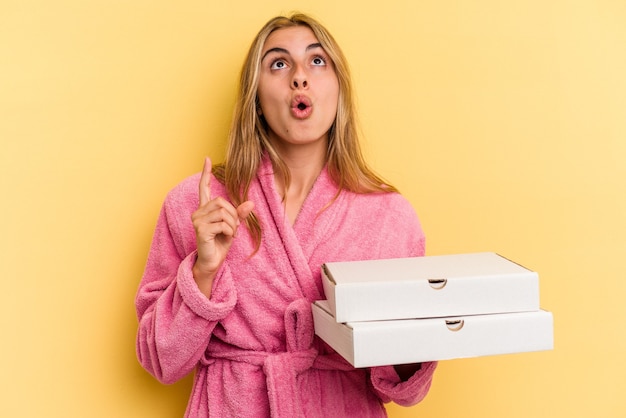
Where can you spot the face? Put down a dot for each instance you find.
(298, 87)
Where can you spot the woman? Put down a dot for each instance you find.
(235, 260)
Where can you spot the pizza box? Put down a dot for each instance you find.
(380, 343)
(430, 286)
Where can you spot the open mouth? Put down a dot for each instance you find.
(301, 107)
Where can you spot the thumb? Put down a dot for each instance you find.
(245, 209)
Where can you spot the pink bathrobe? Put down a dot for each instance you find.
(252, 343)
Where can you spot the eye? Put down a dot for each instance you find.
(278, 64)
(317, 60)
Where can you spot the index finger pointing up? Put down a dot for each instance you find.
(204, 191)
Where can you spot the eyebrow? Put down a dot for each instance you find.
(284, 51)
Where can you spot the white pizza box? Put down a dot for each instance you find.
(380, 343)
(431, 286)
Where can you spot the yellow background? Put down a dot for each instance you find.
(504, 123)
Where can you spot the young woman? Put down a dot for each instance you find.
(235, 261)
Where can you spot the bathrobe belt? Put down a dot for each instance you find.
(282, 368)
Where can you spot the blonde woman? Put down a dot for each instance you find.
(235, 260)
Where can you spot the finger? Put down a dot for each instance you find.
(214, 213)
(209, 231)
(224, 214)
(204, 191)
(244, 210)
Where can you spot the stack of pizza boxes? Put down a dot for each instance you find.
(411, 310)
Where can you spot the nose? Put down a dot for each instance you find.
(300, 83)
(299, 80)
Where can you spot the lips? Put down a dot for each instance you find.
(301, 107)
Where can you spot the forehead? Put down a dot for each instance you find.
(290, 38)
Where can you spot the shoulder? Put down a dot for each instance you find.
(388, 222)
(187, 187)
(391, 206)
(183, 196)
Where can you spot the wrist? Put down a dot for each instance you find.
(203, 277)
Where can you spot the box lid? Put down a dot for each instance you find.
(451, 266)
(419, 287)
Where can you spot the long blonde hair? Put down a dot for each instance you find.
(248, 137)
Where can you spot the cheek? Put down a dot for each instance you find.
(264, 107)
(332, 88)
(332, 97)
(268, 107)
(262, 95)
(266, 92)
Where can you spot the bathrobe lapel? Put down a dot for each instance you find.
(311, 226)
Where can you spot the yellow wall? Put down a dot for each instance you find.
(503, 122)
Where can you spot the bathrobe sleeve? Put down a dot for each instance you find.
(176, 320)
(389, 387)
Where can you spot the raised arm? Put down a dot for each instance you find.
(177, 311)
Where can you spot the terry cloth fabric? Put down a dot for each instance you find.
(252, 343)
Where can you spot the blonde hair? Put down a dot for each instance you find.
(248, 138)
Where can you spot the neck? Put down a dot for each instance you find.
(304, 164)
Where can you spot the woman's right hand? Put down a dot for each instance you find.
(216, 222)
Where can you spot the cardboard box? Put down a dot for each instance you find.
(431, 286)
(379, 343)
